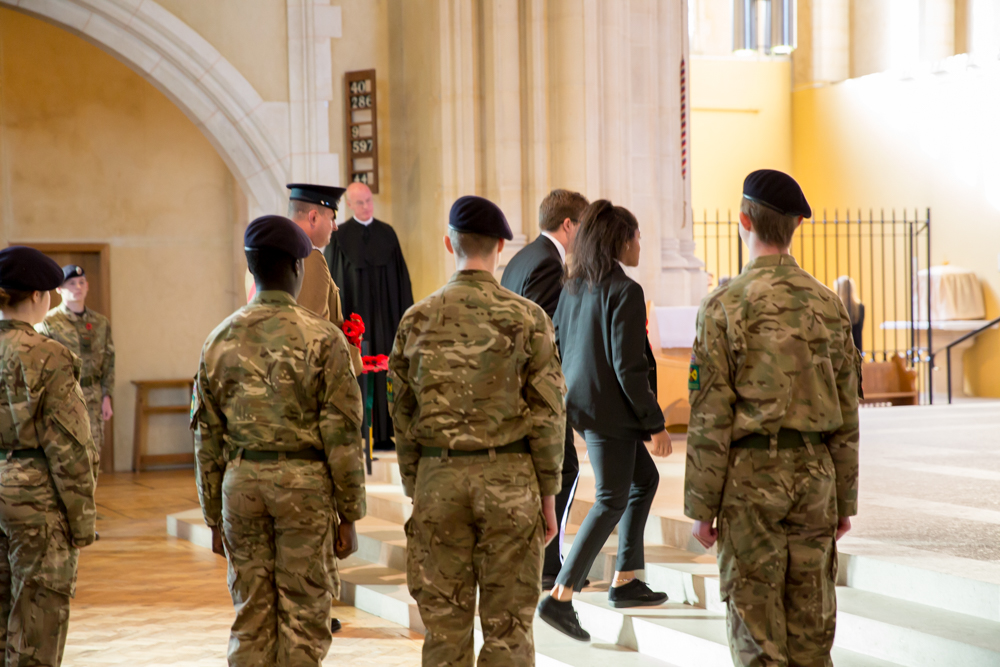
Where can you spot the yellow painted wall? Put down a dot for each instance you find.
(741, 120)
(251, 34)
(91, 152)
(929, 141)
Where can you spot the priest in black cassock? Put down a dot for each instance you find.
(367, 264)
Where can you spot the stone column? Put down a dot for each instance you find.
(636, 115)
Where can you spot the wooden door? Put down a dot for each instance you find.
(93, 257)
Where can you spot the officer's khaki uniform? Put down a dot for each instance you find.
(276, 381)
(47, 484)
(474, 367)
(88, 336)
(773, 351)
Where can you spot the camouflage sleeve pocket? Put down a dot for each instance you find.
(706, 375)
(196, 407)
(549, 391)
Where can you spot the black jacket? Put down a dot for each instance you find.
(606, 358)
(536, 273)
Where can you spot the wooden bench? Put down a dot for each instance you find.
(140, 459)
(889, 382)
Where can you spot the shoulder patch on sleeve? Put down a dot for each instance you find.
(694, 378)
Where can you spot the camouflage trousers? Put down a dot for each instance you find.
(94, 397)
(476, 522)
(778, 557)
(278, 530)
(37, 565)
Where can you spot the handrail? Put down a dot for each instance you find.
(962, 339)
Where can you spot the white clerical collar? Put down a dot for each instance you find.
(366, 222)
(559, 246)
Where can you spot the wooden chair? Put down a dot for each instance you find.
(889, 382)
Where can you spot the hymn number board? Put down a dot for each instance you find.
(362, 127)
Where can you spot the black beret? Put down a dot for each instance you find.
(324, 195)
(275, 231)
(72, 271)
(479, 216)
(776, 190)
(28, 270)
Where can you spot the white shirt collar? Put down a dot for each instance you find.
(559, 246)
(366, 222)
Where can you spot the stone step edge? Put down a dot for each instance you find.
(873, 573)
(392, 602)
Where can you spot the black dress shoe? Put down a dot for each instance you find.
(335, 626)
(562, 617)
(634, 594)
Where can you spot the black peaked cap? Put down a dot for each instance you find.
(324, 195)
(278, 232)
(776, 190)
(29, 270)
(72, 271)
(476, 215)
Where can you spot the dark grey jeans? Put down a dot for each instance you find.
(626, 479)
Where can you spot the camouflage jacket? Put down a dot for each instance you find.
(475, 366)
(773, 350)
(88, 336)
(41, 406)
(274, 377)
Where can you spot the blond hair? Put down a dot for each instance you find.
(846, 289)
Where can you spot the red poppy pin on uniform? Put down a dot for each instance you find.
(89, 326)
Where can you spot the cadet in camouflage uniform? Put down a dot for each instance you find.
(277, 417)
(477, 405)
(772, 449)
(47, 509)
(87, 334)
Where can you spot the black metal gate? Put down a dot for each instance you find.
(884, 254)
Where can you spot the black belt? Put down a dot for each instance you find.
(787, 439)
(519, 447)
(311, 454)
(35, 453)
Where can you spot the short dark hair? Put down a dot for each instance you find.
(469, 244)
(299, 207)
(559, 205)
(604, 231)
(773, 228)
(269, 265)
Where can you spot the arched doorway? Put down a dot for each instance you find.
(191, 73)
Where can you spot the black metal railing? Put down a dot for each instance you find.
(888, 255)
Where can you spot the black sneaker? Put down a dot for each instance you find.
(562, 617)
(335, 626)
(634, 594)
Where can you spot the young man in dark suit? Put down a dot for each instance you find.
(536, 273)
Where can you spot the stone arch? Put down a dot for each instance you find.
(182, 65)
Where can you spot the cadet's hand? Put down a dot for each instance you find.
(661, 444)
(347, 540)
(217, 546)
(551, 524)
(106, 411)
(705, 533)
(843, 526)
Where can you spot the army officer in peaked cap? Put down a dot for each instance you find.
(477, 405)
(772, 449)
(277, 416)
(47, 510)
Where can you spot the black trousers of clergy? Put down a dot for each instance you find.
(555, 552)
(626, 480)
